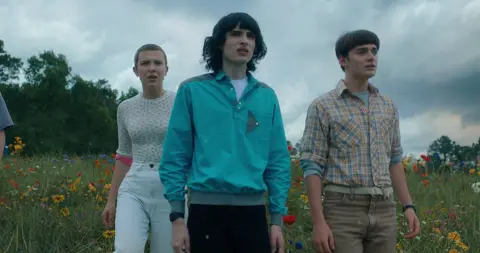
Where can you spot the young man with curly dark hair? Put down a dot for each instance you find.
(226, 140)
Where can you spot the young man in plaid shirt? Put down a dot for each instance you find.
(352, 152)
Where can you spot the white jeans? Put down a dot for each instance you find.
(142, 208)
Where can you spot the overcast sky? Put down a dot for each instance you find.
(429, 58)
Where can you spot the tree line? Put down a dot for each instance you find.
(57, 111)
(445, 149)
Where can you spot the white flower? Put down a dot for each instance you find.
(476, 187)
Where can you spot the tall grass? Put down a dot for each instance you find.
(53, 204)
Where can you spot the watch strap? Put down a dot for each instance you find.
(405, 207)
(176, 215)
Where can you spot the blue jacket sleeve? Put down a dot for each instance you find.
(177, 151)
(278, 174)
(5, 119)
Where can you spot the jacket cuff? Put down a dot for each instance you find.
(276, 219)
(177, 206)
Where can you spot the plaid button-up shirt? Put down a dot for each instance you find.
(347, 143)
(5, 119)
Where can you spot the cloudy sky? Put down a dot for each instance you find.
(429, 59)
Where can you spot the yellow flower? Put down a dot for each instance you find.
(471, 171)
(436, 230)
(109, 234)
(478, 173)
(462, 245)
(453, 251)
(99, 198)
(91, 187)
(304, 198)
(444, 210)
(43, 199)
(398, 246)
(58, 198)
(454, 236)
(4, 205)
(65, 212)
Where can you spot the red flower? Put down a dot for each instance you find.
(425, 158)
(289, 148)
(289, 219)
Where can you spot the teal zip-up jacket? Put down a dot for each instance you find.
(227, 152)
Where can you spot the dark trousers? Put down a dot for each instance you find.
(228, 229)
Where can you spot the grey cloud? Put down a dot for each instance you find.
(208, 8)
(457, 94)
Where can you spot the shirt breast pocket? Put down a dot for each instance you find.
(258, 129)
(347, 133)
(259, 124)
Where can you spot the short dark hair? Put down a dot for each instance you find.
(350, 40)
(148, 47)
(212, 52)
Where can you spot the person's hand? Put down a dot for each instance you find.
(322, 238)
(413, 224)
(276, 239)
(108, 214)
(180, 237)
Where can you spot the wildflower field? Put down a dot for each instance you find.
(53, 204)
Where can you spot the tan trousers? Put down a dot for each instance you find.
(361, 223)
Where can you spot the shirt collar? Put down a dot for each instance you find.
(220, 75)
(341, 88)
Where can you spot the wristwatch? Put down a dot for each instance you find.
(405, 207)
(176, 215)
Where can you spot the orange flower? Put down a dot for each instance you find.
(13, 184)
(454, 236)
(425, 183)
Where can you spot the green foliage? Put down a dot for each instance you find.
(57, 111)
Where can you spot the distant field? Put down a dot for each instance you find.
(53, 204)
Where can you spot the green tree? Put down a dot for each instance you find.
(443, 146)
(9, 66)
